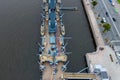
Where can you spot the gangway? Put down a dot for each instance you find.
(69, 8)
(78, 76)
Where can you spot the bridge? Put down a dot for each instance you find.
(78, 76)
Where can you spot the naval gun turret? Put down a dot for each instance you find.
(41, 48)
(42, 67)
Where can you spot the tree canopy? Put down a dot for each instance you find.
(107, 27)
(94, 3)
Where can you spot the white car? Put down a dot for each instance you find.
(104, 20)
(113, 4)
(104, 74)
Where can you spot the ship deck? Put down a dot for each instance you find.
(48, 73)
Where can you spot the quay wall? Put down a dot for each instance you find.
(93, 23)
(96, 33)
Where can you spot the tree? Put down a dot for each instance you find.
(94, 3)
(107, 27)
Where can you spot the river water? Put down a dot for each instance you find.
(19, 32)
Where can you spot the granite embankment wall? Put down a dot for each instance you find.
(93, 23)
(96, 32)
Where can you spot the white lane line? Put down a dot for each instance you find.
(111, 19)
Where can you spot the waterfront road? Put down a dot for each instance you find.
(103, 8)
(111, 11)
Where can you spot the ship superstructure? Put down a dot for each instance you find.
(52, 49)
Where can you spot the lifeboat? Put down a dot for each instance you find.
(42, 30)
(62, 29)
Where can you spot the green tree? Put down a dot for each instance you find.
(107, 27)
(94, 3)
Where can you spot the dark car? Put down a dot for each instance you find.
(114, 19)
(107, 14)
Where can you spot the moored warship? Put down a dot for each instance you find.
(52, 55)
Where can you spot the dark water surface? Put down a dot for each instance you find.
(77, 26)
(19, 32)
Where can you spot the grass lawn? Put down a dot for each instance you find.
(119, 1)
